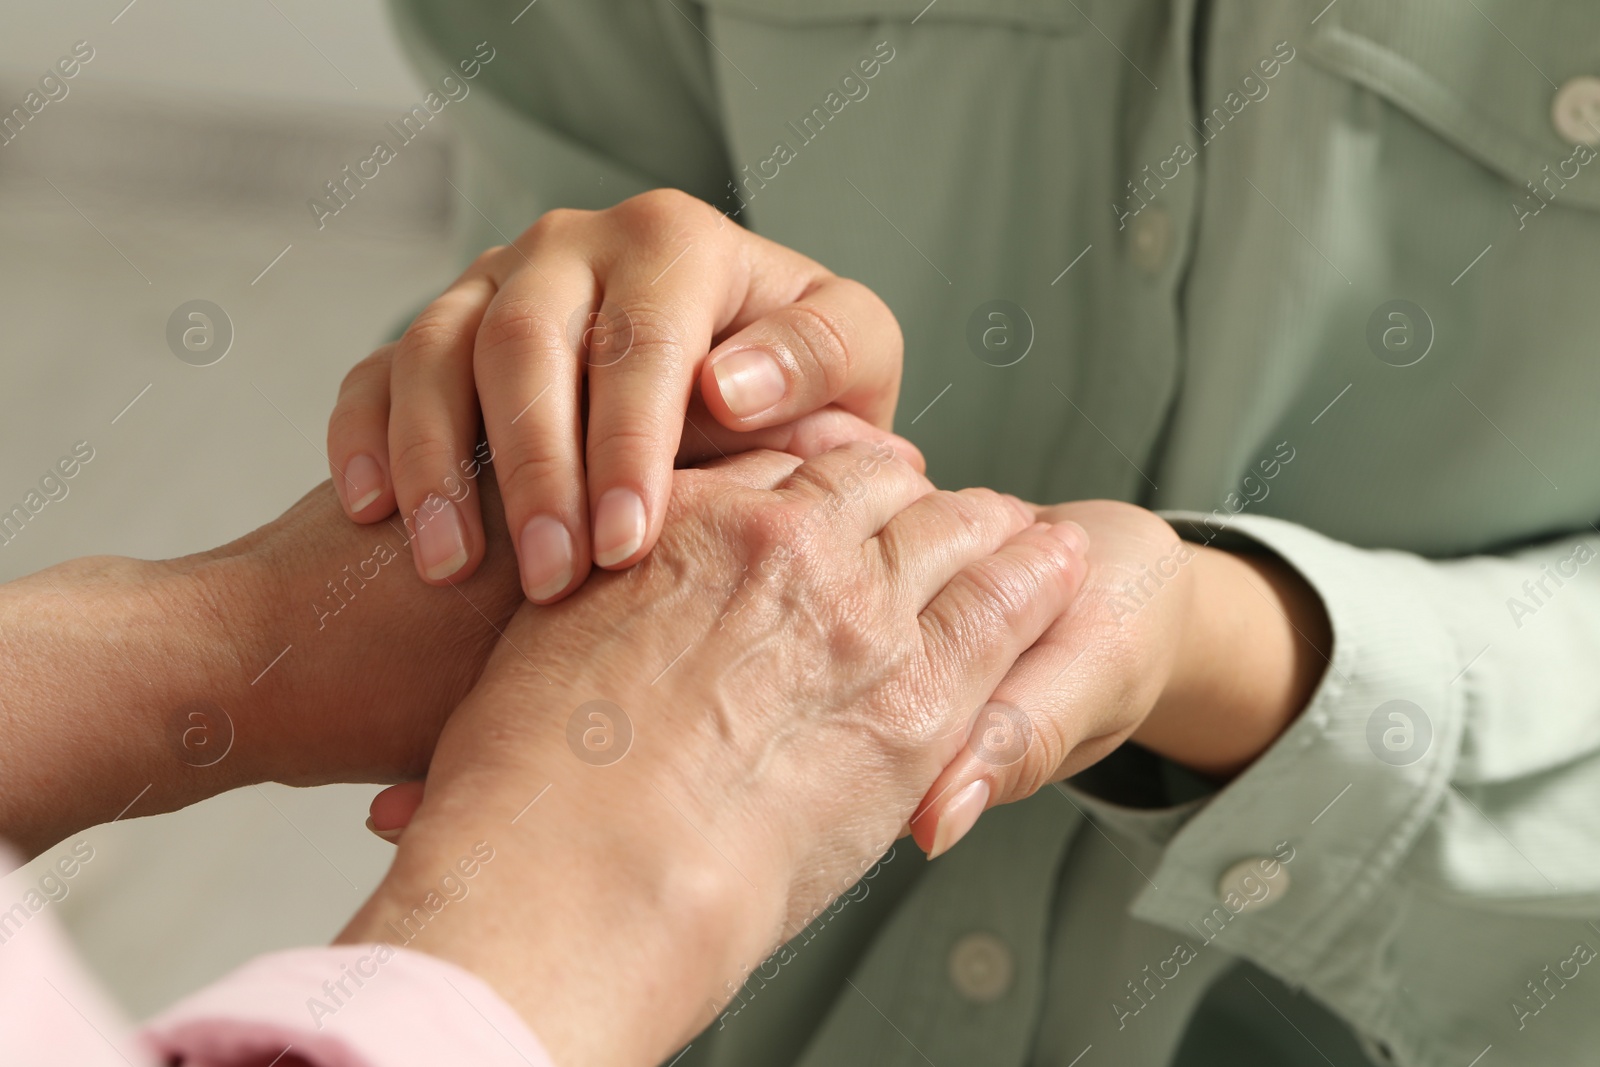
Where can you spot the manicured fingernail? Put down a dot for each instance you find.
(546, 550)
(750, 381)
(363, 481)
(391, 836)
(1075, 537)
(959, 817)
(618, 526)
(441, 538)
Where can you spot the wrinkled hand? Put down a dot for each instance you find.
(1200, 655)
(794, 664)
(582, 344)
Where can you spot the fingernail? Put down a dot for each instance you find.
(959, 817)
(546, 550)
(363, 481)
(1075, 537)
(750, 381)
(441, 538)
(391, 836)
(618, 526)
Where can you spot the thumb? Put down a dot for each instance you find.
(1016, 746)
(392, 810)
(837, 344)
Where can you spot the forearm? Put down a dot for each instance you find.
(104, 660)
(1253, 650)
(304, 652)
(579, 893)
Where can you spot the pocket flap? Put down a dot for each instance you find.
(1483, 74)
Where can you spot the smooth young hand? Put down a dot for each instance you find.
(1202, 656)
(581, 345)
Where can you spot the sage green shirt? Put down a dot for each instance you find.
(1327, 275)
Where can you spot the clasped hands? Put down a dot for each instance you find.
(815, 649)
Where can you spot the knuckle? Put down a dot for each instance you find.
(636, 438)
(485, 259)
(374, 368)
(431, 333)
(663, 212)
(776, 526)
(418, 453)
(550, 224)
(823, 336)
(957, 511)
(348, 419)
(639, 339)
(869, 298)
(532, 466)
(518, 324)
(1000, 592)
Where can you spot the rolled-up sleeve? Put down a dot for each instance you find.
(1436, 806)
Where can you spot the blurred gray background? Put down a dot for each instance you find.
(178, 167)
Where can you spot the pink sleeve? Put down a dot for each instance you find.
(348, 1006)
(51, 1010)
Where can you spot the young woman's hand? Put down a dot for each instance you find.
(677, 767)
(1202, 656)
(581, 345)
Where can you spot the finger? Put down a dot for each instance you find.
(393, 808)
(860, 486)
(528, 363)
(358, 439)
(837, 344)
(808, 436)
(944, 532)
(433, 426)
(983, 621)
(660, 311)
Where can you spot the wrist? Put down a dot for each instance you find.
(583, 917)
(1253, 644)
(346, 665)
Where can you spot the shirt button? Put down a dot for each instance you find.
(1253, 884)
(981, 967)
(1576, 111)
(1150, 238)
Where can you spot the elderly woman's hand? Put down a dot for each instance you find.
(672, 770)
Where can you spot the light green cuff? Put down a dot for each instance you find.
(1342, 796)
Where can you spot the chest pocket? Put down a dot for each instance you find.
(1515, 84)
